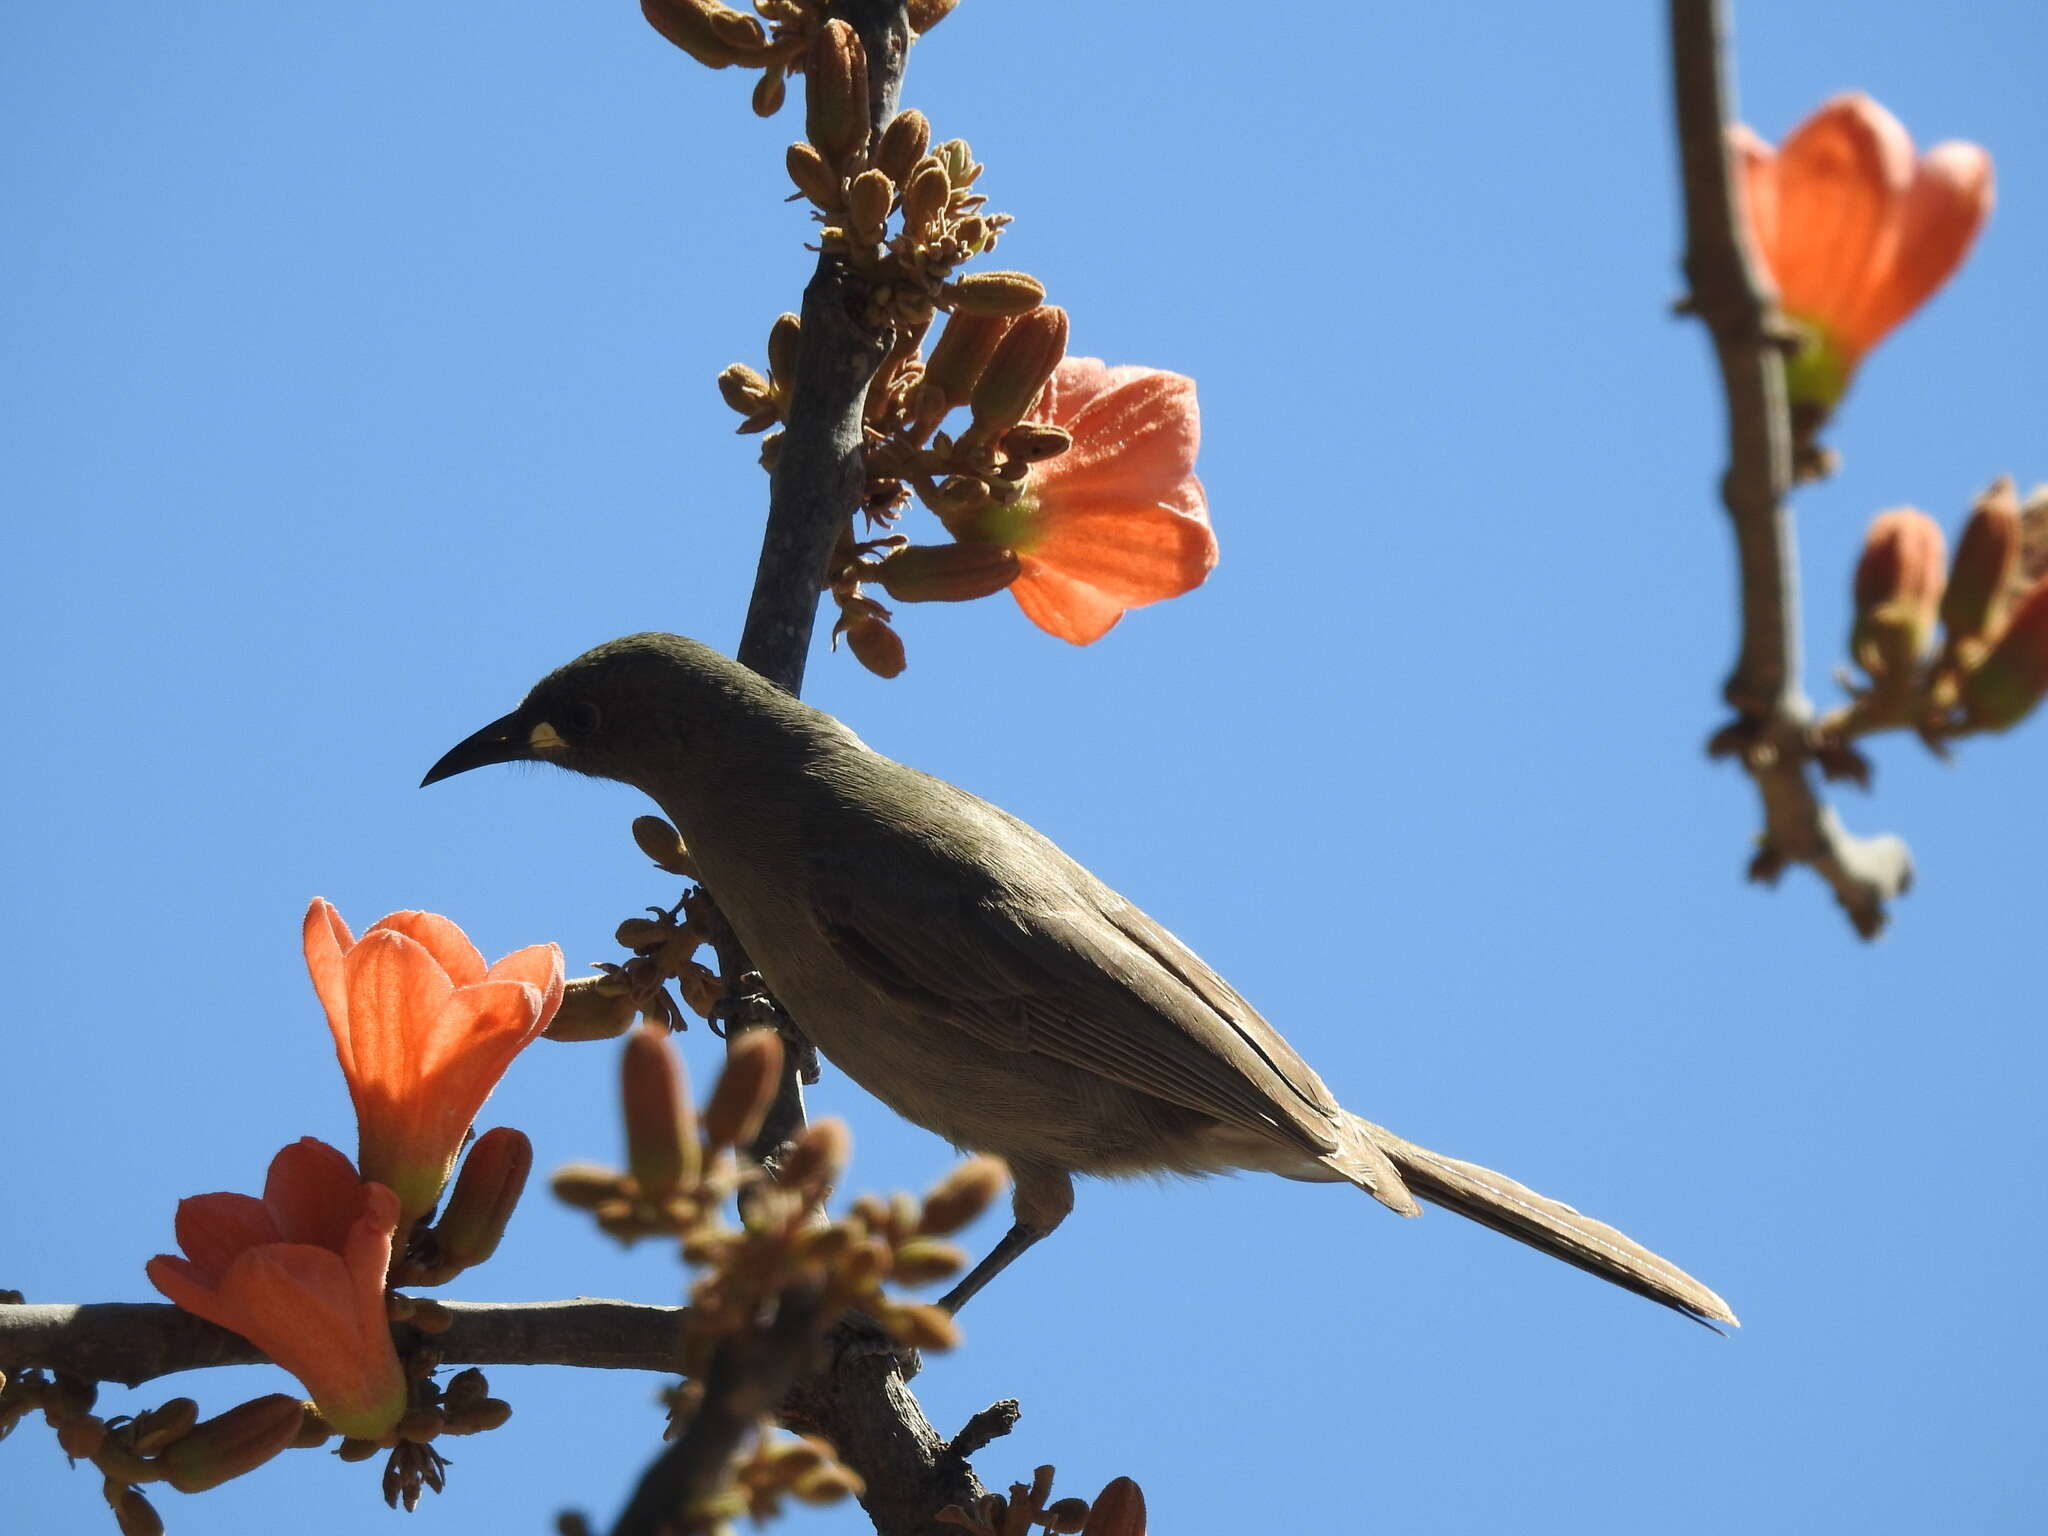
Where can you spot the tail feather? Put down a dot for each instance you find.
(1513, 1210)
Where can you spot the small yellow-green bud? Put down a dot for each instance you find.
(1987, 555)
(487, 1190)
(925, 195)
(785, 338)
(770, 91)
(960, 354)
(925, 1259)
(593, 1008)
(585, 1186)
(2003, 689)
(1035, 441)
(159, 1426)
(867, 203)
(1898, 594)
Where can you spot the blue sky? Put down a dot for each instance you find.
(358, 369)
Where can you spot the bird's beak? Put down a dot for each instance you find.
(502, 741)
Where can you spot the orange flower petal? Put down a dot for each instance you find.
(300, 1306)
(1756, 191)
(396, 991)
(538, 965)
(448, 944)
(1061, 606)
(1947, 204)
(1136, 552)
(1130, 439)
(312, 1194)
(1842, 178)
(212, 1229)
(327, 942)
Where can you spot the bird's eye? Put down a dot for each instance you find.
(581, 719)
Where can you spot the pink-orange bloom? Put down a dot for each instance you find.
(300, 1274)
(424, 1031)
(1118, 520)
(1854, 230)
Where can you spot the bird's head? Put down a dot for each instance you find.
(627, 710)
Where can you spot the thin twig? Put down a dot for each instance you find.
(134, 1342)
(1772, 735)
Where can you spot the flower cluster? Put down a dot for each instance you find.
(1990, 667)
(1119, 1510)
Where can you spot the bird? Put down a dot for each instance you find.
(961, 968)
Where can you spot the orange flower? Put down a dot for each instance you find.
(300, 1274)
(1118, 520)
(424, 1032)
(1854, 231)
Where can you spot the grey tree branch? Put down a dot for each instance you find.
(134, 1342)
(1772, 735)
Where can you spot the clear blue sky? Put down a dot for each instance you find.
(358, 368)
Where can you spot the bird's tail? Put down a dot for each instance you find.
(1497, 1201)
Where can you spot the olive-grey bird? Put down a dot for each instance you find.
(966, 972)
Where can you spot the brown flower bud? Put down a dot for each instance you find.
(785, 339)
(748, 393)
(1035, 441)
(828, 1485)
(959, 162)
(1987, 556)
(2004, 688)
(689, 25)
(158, 1427)
(229, 1444)
(493, 1177)
(133, 1513)
(961, 1196)
(995, 293)
(960, 354)
(836, 99)
(81, 1436)
(925, 1259)
(903, 144)
(593, 1008)
(477, 1418)
(585, 1186)
(946, 573)
(867, 203)
(1016, 376)
(924, 1325)
(819, 1156)
(1063, 1517)
(875, 645)
(770, 91)
(926, 14)
(1898, 594)
(814, 178)
(661, 1133)
(737, 30)
(746, 1088)
(703, 990)
(925, 195)
(1119, 1510)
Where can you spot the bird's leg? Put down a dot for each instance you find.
(1040, 1202)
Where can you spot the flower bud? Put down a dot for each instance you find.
(925, 1325)
(492, 1179)
(1035, 441)
(875, 645)
(133, 1514)
(819, 1156)
(925, 1259)
(836, 100)
(903, 144)
(585, 1186)
(688, 24)
(593, 1008)
(996, 293)
(1016, 375)
(229, 1444)
(1898, 593)
(158, 1427)
(960, 354)
(1986, 557)
(81, 1436)
(2004, 688)
(736, 29)
(961, 1196)
(925, 196)
(867, 204)
(926, 14)
(661, 1134)
(703, 989)
(1063, 1517)
(748, 393)
(958, 160)
(1119, 1510)
(946, 573)
(770, 92)
(813, 177)
(746, 1088)
(785, 339)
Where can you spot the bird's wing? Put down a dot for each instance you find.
(1059, 964)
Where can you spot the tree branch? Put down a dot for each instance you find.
(134, 1342)
(1772, 736)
